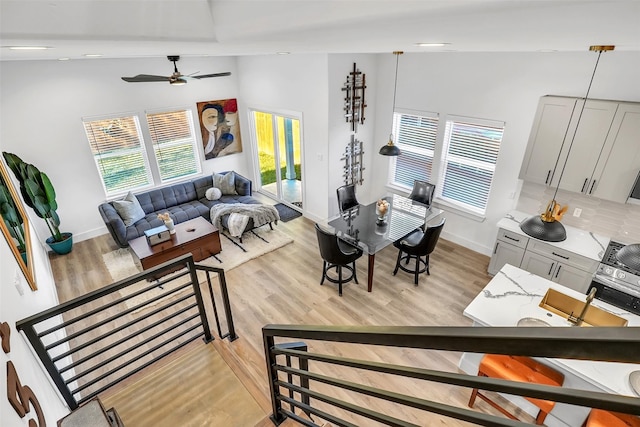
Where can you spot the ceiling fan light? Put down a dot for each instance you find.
(178, 82)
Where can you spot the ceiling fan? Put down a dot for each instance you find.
(175, 79)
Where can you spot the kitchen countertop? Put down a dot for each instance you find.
(578, 241)
(514, 294)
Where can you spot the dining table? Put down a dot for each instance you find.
(363, 226)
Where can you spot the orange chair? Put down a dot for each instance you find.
(601, 418)
(522, 369)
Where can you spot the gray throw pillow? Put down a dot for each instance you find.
(129, 209)
(226, 183)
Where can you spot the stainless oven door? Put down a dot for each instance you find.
(616, 294)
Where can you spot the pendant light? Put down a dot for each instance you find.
(547, 226)
(390, 149)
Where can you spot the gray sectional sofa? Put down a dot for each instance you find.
(183, 201)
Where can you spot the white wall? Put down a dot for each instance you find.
(14, 307)
(43, 102)
(294, 83)
(497, 86)
(340, 131)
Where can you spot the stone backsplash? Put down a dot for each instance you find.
(618, 221)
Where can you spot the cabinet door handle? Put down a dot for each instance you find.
(561, 256)
(584, 184)
(592, 184)
(558, 271)
(551, 268)
(495, 251)
(546, 181)
(511, 238)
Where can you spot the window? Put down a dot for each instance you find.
(121, 152)
(116, 144)
(174, 144)
(467, 151)
(469, 160)
(416, 138)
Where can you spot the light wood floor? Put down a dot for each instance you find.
(283, 287)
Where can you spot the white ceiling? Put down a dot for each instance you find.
(144, 28)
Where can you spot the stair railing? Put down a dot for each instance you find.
(291, 384)
(97, 340)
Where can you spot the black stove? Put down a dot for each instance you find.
(617, 283)
(611, 260)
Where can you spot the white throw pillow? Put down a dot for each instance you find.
(213, 193)
(129, 209)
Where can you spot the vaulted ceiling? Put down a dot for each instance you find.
(143, 28)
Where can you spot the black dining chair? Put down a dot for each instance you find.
(337, 254)
(422, 192)
(347, 197)
(417, 245)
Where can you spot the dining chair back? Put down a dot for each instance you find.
(422, 192)
(336, 255)
(417, 246)
(347, 197)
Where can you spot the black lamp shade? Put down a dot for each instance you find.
(389, 150)
(630, 256)
(553, 231)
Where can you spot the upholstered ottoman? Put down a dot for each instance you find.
(521, 369)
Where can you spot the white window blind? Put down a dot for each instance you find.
(174, 144)
(119, 153)
(416, 137)
(470, 154)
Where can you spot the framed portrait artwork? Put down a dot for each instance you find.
(220, 127)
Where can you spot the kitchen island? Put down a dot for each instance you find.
(514, 294)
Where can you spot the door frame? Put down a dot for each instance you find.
(295, 115)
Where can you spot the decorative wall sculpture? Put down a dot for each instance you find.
(354, 102)
(220, 127)
(352, 169)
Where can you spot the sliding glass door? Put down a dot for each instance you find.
(277, 139)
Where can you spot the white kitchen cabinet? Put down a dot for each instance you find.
(616, 172)
(549, 129)
(509, 249)
(580, 154)
(542, 259)
(558, 265)
(603, 159)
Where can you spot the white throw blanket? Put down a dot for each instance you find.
(261, 215)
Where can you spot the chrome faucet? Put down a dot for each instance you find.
(577, 321)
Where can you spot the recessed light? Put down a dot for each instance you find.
(63, 59)
(92, 55)
(29, 47)
(283, 53)
(432, 44)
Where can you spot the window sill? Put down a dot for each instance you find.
(446, 206)
(441, 204)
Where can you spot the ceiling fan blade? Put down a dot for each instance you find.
(145, 78)
(206, 76)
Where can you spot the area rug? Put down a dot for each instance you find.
(121, 263)
(286, 213)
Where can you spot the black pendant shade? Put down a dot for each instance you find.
(553, 231)
(547, 226)
(389, 150)
(630, 256)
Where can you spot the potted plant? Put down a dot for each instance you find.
(12, 220)
(38, 193)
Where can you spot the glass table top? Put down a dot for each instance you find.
(361, 223)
